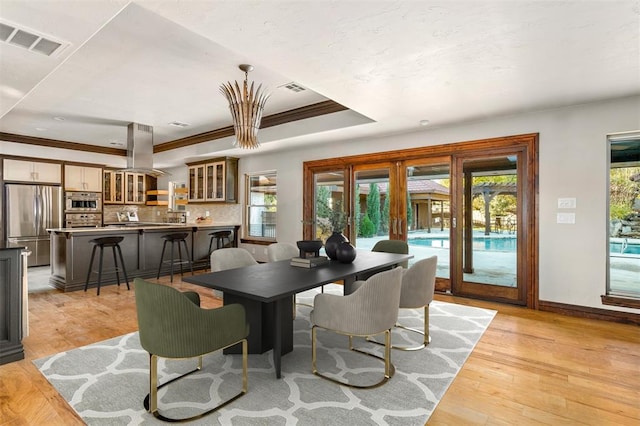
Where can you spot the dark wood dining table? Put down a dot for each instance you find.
(266, 290)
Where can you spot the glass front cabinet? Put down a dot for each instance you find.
(135, 188)
(113, 186)
(214, 180)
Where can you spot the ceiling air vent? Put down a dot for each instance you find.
(29, 40)
(294, 87)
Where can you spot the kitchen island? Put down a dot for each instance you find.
(141, 248)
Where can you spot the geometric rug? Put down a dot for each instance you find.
(106, 382)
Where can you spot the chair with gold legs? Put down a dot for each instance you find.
(370, 310)
(418, 285)
(172, 325)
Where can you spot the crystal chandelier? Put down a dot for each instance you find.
(246, 108)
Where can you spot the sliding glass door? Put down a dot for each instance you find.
(487, 233)
(471, 204)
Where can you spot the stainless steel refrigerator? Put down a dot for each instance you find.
(29, 211)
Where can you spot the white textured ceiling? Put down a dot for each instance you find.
(392, 63)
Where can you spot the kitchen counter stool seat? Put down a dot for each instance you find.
(175, 239)
(219, 237)
(101, 243)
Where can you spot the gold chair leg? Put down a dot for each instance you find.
(389, 368)
(151, 400)
(426, 337)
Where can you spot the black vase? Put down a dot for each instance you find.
(346, 253)
(332, 243)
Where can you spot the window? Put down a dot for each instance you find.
(261, 205)
(624, 218)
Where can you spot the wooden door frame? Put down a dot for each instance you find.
(527, 142)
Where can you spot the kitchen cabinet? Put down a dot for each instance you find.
(113, 185)
(135, 188)
(196, 182)
(81, 178)
(11, 304)
(215, 188)
(215, 180)
(32, 171)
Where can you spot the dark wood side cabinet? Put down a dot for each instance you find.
(11, 331)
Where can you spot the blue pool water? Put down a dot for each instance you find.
(509, 244)
(619, 248)
(479, 243)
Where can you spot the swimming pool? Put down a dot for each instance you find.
(479, 243)
(624, 248)
(508, 244)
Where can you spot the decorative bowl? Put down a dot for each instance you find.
(309, 246)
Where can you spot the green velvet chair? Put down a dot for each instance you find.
(173, 325)
(393, 246)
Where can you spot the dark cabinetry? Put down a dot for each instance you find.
(11, 305)
(214, 180)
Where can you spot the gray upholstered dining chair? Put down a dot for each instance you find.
(230, 258)
(418, 285)
(370, 310)
(173, 325)
(281, 251)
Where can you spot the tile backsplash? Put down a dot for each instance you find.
(221, 213)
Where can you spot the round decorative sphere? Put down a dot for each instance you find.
(346, 253)
(332, 243)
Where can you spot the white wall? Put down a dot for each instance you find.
(573, 163)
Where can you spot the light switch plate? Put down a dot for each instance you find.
(569, 218)
(566, 203)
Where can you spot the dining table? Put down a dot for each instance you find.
(266, 290)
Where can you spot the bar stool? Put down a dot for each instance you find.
(219, 236)
(101, 243)
(175, 239)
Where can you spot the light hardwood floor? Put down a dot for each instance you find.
(529, 367)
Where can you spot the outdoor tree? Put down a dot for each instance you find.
(622, 191)
(384, 216)
(373, 206)
(323, 212)
(357, 216)
(367, 228)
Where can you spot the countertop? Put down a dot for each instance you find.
(10, 246)
(144, 226)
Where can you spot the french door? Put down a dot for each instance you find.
(491, 215)
(473, 207)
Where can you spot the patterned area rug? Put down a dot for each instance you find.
(106, 382)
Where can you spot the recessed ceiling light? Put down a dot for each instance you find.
(424, 122)
(59, 118)
(41, 129)
(178, 124)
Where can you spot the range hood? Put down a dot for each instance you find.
(140, 150)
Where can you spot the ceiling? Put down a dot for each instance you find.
(391, 63)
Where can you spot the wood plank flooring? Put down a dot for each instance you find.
(530, 367)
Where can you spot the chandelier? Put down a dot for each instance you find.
(246, 108)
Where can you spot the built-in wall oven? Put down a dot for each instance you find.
(82, 220)
(83, 202)
(82, 209)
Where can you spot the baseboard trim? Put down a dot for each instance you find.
(588, 312)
